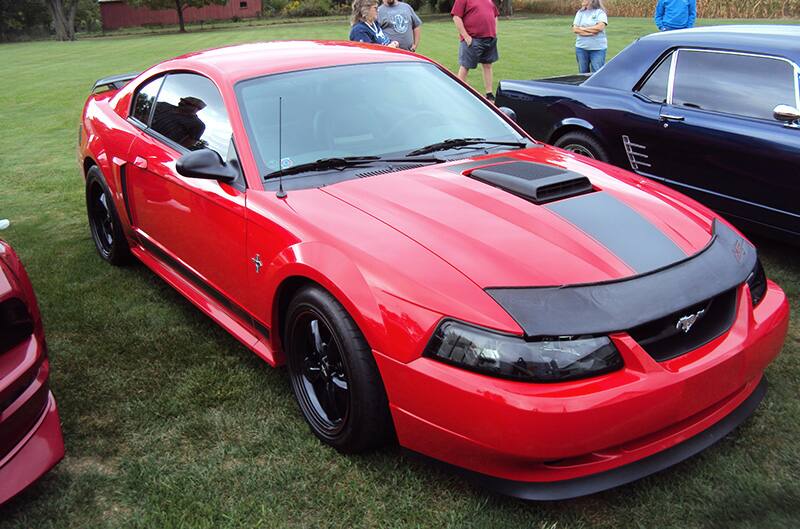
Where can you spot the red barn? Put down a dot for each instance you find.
(118, 14)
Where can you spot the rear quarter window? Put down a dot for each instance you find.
(144, 100)
(654, 87)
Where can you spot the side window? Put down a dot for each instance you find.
(190, 112)
(744, 85)
(144, 101)
(655, 87)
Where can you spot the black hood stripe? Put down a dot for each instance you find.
(627, 234)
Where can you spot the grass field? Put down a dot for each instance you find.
(169, 422)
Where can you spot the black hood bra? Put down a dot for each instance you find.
(618, 305)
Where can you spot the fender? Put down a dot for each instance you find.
(569, 122)
(385, 318)
(329, 267)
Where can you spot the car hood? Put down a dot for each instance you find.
(622, 228)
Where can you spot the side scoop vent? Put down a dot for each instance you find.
(536, 182)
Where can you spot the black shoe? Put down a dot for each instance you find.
(490, 96)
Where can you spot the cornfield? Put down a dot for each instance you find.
(638, 8)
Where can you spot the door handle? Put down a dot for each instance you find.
(140, 162)
(670, 117)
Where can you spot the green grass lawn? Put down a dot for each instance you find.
(169, 422)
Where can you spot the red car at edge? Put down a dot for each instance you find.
(30, 430)
(543, 322)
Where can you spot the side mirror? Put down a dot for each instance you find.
(207, 164)
(509, 113)
(788, 114)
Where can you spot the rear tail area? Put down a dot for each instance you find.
(102, 91)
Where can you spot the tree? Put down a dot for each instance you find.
(63, 13)
(87, 17)
(506, 8)
(178, 5)
(23, 19)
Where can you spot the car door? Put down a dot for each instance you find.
(639, 127)
(195, 226)
(728, 150)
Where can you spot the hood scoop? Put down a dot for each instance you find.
(536, 182)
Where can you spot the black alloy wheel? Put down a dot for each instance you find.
(321, 373)
(584, 144)
(103, 220)
(333, 374)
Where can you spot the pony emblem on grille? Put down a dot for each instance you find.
(685, 323)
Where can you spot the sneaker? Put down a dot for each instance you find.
(490, 96)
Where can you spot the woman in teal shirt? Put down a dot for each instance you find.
(591, 43)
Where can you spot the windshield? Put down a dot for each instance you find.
(361, 110)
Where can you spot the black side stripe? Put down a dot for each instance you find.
(190, 276)
(622, 230)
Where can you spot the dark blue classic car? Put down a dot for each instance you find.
(712, 112)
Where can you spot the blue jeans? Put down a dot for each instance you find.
(590, 58)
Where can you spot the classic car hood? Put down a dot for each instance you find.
(497, 238)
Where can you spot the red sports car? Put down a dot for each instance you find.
(543, 321)
(30, 430)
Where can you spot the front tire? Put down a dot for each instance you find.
(333, 374)
(104, 223)
(582, 143)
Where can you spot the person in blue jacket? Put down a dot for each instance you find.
(364, 25)
(675, 14)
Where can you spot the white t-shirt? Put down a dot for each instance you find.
(586, 18)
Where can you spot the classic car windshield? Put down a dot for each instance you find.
(360, 110)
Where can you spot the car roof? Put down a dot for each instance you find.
(628, 67)
(766, 38)
(246, 61)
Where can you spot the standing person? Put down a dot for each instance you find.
(397, 18)
(591, 43)
(675, 14)
(476, 22)
(364, 26)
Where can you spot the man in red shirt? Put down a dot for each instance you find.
(476, 21)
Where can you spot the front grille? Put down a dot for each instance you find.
(665, 338)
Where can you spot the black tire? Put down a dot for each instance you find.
(333, 374)
(582, 143)
(104, 223)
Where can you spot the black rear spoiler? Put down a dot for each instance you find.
(113, 82)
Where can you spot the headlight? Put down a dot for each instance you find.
(547, 360)
(757, 281)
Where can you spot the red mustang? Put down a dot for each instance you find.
(549, 323)
(30, 431)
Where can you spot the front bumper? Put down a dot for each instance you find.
(31, 442)
(38, 452)
(560, 440)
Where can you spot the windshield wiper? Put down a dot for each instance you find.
(454, 143)
(325, 164)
